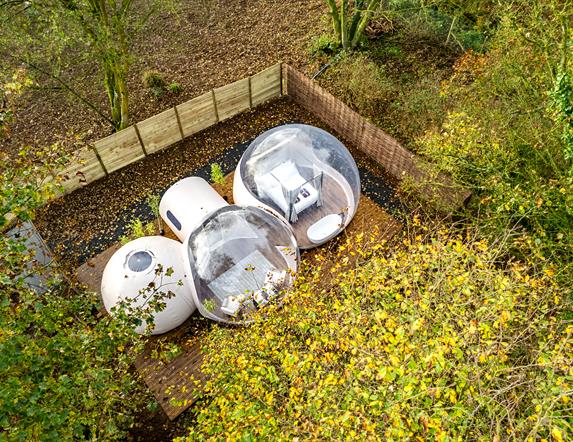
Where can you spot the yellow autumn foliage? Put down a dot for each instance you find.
(435, 340)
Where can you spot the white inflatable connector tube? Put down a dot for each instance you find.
(187, 203)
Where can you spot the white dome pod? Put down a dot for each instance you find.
(305, 175)
(131, 270)
(239, 258)
(186, 203)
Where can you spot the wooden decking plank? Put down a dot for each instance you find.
(173, 382)
(91, 272)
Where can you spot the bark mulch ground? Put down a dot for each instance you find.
(203, 45)
(89, 220)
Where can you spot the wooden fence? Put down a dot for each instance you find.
(399, 162)
(160, 131)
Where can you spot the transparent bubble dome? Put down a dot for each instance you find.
(304, 174)
(240, 258)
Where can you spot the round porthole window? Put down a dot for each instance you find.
(145, 271)
(139, 261)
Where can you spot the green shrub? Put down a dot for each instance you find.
(506, 137)
(217, 175)
(324, 44)
(153, 201)
(436, 340)
(136, 229)
(361, 83)
(11, 87)
(66, 370)
(461, 25)
(174, 88)
(209, 305)
(403, 104)
(153, 79)
(155, 82)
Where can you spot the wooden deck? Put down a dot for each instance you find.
(177, 383)
(333, 201)
(90, 274)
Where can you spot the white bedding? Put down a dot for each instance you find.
(237, 280)
(287, 176)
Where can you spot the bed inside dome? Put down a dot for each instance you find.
(305, 175)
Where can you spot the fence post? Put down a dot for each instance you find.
(99, 159)
(179, 122)
(140, 139)
(215, 104)
(281, 77)
(250, 94)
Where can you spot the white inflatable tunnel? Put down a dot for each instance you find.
(186, 203)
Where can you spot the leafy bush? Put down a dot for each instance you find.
(461, 25)
(442, 339)
(506, 136)
(362, 84)
(562, 105)
(217, 175)
(174, 88)
(404, 104)
(66, 371)
(136, 229)
(153, 201)
(155, 82)
(209, 305)
(322, 45)
(10, 89)
(153, 79)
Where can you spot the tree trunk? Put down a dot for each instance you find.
(335, 18)
(344, 24)
(116, 86)
(350, 27)
(124, 98)
(366, 16)
(358, 9)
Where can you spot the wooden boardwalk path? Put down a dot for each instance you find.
(175, 383)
